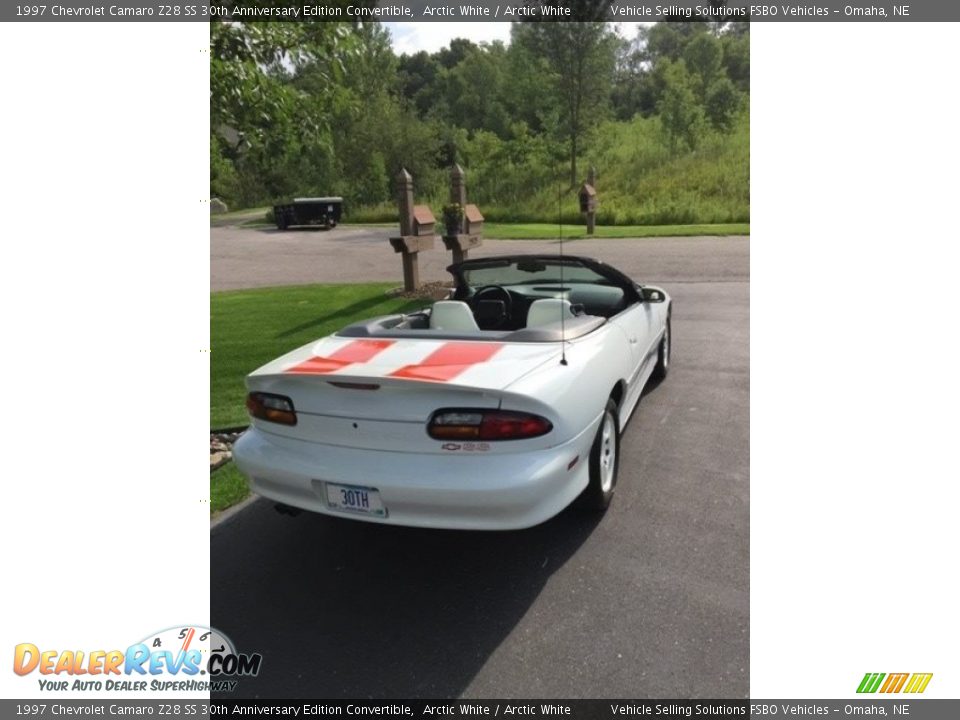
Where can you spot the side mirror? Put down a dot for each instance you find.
(652, 295)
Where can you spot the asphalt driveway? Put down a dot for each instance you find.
(246, 258)
(651, 600)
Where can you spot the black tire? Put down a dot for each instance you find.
(283, 222)
(606, 449)
(663, 354)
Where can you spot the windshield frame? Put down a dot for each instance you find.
(611, 275)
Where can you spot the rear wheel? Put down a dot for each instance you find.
(604, 461)
(663, 354)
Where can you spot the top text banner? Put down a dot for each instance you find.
(478, 11)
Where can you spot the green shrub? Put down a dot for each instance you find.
(639, 180)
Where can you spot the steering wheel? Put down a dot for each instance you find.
(495, 292)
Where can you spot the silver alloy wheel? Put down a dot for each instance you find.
(608, 452)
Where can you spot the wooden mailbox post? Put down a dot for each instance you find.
(470, 233)
(589, 201)
(416, 231)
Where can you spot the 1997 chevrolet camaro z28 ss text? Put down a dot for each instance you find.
(492, 410)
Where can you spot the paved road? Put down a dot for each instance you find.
(652, 600)
(244, 258)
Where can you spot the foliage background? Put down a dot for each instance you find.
(302, 109)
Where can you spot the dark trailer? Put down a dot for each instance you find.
(324, 211)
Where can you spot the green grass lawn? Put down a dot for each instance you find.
(240, 217)
(548, 231)
(250, 327)
(227, 487)
(545, 231)
(254, 219)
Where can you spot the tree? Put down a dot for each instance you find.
(329, 108)
(667, 40)
(418, 76)
(630, 93)
(365, 100)
(579, 59)
(703, 58)
(248, 69)
(264, 125)
(474, 90)
(528, 98)
(452, 56)
(721, 103)
(680, 113)
(736, 56)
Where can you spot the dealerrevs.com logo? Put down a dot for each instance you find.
(894, 682)
(189, 658)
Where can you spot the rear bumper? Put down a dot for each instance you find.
(458, 491)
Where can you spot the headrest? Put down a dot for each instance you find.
(548, 310)
(452, 315)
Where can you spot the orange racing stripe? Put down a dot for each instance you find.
(448, 361)
(358, 351)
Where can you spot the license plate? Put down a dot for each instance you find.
(355, 498)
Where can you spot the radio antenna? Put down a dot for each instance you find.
(563, 334)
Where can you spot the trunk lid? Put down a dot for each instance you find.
(379, 394)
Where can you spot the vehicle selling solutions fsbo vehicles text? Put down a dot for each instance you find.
(659, 709)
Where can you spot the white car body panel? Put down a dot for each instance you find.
(467, 491)
(375, 436)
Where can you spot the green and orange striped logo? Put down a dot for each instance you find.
(894, 682)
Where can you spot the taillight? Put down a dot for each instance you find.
(275, 408)
(486, 425)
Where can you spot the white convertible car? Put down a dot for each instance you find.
(491, 410)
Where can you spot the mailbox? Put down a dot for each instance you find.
(411, 243)
(588, 198)
(472, 220)
(423, 220)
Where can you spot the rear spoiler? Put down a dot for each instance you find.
(267, 381)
